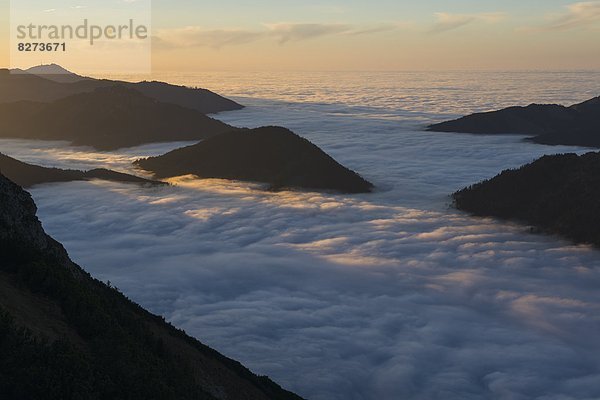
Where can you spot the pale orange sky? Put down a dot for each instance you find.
(440, 35)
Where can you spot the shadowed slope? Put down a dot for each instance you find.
(27, 175)
(65, 335)
(43, 84)
(106, 119)
(201, 100)
(558, 194)
(578, 125)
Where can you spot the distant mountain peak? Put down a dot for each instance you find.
(49, 69)
(55, 73)
(47, 83)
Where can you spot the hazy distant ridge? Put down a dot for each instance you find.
(53, 82)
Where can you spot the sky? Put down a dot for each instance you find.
(365, 35)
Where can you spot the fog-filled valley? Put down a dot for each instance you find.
(391, 294)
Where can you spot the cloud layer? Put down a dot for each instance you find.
(383, 296)
(347, 299)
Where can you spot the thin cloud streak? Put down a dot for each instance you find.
(447, 21)
(577, 15)
(195, 36)
(286, 32)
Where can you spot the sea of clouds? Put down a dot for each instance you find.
(390, 295)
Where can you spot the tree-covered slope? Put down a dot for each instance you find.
(558, 194)
(271, 154)
(65, 335)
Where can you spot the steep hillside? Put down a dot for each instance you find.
(65, 335)
(557, 194)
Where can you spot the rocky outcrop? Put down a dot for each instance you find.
(18, 220)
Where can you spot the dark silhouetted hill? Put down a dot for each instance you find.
(44, 84)
(201, 100)
(578, 125)
(106, 119)
(21, 86)
(557, 194)
(271, 155)
(67, 336)
(27, 175)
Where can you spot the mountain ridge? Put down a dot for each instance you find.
(551, 124)
(27, 175)
(556, 194)
(54, 72)
(65, 335)
(17, 85)
(271, 154)
(107, 118)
